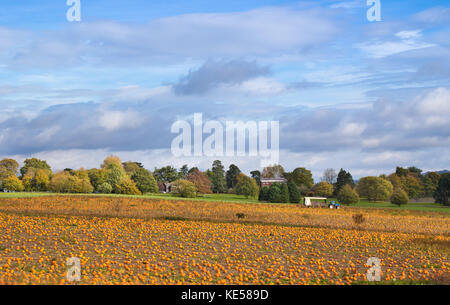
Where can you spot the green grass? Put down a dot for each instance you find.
(430, 207)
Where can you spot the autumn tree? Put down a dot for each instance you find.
(184, 188)
(13, 184)
(201, 181)
(273, 171)
(323, 189)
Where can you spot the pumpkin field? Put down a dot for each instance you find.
(149, 241)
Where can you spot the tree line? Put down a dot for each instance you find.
(115, 176)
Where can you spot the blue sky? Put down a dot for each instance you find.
(365, 96)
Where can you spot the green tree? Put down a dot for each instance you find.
(13, 184)
(8, 167)
(104, 188)
(218, 182)
(145, 181)
(264, 194)
(257, 176)
(166, 174)
(375, 188)
(98, 177)
(399, 197)
(442, 193)
(323, 189)
(343, 178)
(184, 171)
(184, 188)
(302, 178)
(294, 193)
(284, 196)
(246, 186)
(275, 193)
(232, 176)
(347, 195)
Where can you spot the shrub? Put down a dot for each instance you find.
(358, 219)
(13, 184)
(399, 197)
(184, 188)
(105, 188)
(347, 195)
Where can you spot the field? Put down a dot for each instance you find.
(158, 241)
(241, 199)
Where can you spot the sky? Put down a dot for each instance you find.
(347, 92)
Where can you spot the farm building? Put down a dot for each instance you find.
(269, 182)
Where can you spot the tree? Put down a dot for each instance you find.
(442, 193)
(284, 196)
(375, 188)
(275, 193)
(126, 186)
(294, 193)
(166, 174)
(399, 197)
(13, 184)
(8, 167)
(273, 171)
(145, 181)
(302, 178)
(34, 163)
(347, 195)
(98, 177)
(114, 175)
(323, 189)
(246, 186)
(412, 185)
(104, 188)
(131, 167)
(343, 178)
(329, 175)
(400, 171)
(201, 181)
(264, 194)
(430, 182)
(184, 188)
(257, 176)
(232, 175)
(218, 182)
(67, 182)
(111, 160)
(184, 171)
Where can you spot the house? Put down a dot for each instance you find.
(269, 182)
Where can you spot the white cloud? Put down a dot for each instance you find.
(114, 120)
